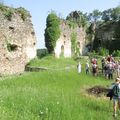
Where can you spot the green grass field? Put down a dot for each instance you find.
(53, 94)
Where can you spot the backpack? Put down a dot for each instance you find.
(115, 91)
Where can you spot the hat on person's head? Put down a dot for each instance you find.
(117, 79)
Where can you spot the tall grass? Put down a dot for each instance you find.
(53, 95)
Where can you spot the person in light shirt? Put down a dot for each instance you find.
(79, 67)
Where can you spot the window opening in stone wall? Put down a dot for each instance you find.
(33, 33)
(11, 47)
(34, 43)
(11, 28)
(64, 36)
(7, 58)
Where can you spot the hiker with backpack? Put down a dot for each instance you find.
(116, 96)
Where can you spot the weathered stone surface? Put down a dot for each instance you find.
(63, 44)
(17, 43)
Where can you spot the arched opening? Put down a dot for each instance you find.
(62, 50)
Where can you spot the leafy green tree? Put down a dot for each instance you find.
(115, 44)
(52, 31)
(106, 15)
(116, 13)
(78, 18)
(94, 16)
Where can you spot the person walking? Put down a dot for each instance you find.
(116, 96)
(79, 67)
(87, 68)
(110, 70)
(94, 69)
(118, 69)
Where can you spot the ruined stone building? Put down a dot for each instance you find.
(17, 40)
(64, 45)
(101, 36)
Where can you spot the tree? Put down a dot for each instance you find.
(94, 16)
(78, 18)
(115, 44)
(106, 15)
(52, 31)
(116, 13)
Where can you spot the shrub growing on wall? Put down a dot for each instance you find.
(23, 13)
(52, 31)
(74, 46)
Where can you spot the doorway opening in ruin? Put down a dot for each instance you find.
(62, 51)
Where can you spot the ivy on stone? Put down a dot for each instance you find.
(74, 46)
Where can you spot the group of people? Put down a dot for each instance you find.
(87, 67)
(108, 67)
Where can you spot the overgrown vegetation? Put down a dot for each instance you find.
(116, 53)
(8, 14)
(71, 24)
(74, 44)
(9, 11)
(52, 31)
(77, 18)
(23, 13)
(103, 52)
(41, 53)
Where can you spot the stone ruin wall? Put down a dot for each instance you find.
(63, 44)
(17, 43)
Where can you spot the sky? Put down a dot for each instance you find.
(39, 9)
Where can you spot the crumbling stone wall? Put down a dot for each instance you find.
(17, 43)
(63, 44)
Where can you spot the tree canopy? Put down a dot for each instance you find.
(52, 31)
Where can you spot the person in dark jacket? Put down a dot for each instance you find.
(116, 97)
